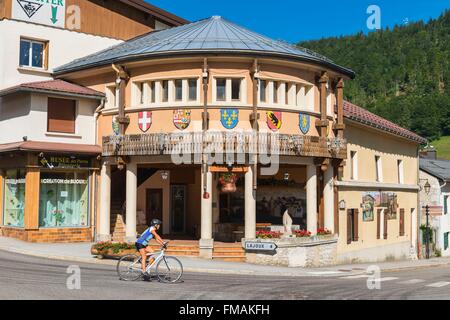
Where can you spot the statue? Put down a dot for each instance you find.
(287, 222)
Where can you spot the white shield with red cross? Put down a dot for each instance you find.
(145, 120)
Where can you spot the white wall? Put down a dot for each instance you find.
(26, 115)
(64, 46)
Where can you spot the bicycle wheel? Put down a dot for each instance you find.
(169, 270)
(129, 268)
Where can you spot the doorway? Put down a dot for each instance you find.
(154, 205)
(178, 208)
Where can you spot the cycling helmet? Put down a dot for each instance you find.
(156, 222)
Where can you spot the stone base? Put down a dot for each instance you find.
(103, 238)
(63, 235)
(206, 247)
(298, 252)
(131, 239)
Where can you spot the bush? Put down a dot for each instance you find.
(104, 247)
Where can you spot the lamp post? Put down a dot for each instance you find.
(427, 188)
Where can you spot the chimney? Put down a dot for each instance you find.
(429, 153)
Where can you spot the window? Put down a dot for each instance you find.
(111, 94)
(352, 225)
(379, 169)
(446, 204)
(165, 90)
(14, 198)
(221, 89)
(402, 223)
(354, 165)
(287, 88)
(153, 92)
(263, 90)
(63, 199)
(32, 53)
(401, 173)
(275, 92)
(61, 115)
(178, 90)
(236, 89)
(192, 84)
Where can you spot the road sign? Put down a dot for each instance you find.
(48, 12)
(260, 246)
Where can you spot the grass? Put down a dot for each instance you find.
(443, 147)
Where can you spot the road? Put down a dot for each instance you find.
(24, 277)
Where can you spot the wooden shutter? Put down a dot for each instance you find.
(355, 225)
(379, 223)
(349, 226)
(402, 222)
(61, 115)
(385, 226)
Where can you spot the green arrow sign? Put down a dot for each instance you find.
(54, 14)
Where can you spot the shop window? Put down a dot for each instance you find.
(14, 198)
(61, 115)
(352, 226)
(32, 53)
(63, 200)
(192, 85)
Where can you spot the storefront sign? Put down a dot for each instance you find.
(260, 246)
(64, 162)
(48, 12)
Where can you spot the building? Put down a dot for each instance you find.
(48, 147)
(437, 174)
(268, 113)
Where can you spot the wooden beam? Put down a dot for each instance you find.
(32, 184)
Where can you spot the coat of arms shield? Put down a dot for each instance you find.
(229, 118)
(182, 118)
(304, 123)
(274, 120)
(145, 120)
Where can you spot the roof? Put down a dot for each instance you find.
(363, 116)
(437, 168)
(60, 87)
(51, 147)
(156, 12)
(214, 35)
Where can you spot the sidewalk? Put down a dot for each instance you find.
(81, 253)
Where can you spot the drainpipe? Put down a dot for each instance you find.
(255, 119)
(205, 77)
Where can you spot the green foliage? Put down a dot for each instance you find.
(402, 74)
(104, 247)
(443, 147)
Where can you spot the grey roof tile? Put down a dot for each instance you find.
(438, 168)
(213, 35)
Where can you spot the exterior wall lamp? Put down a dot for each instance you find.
(342, 205)
(165, 175)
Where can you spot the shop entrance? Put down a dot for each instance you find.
(178, 208)
(154, 205)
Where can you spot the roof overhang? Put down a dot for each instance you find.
(20, 89)
(51, 147)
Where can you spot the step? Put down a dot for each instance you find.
(228, 254)
(230, 259)
(222, 249)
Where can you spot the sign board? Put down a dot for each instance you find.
(47, 12)
(64, 162)
(260, 246)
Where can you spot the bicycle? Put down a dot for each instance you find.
(168, 269)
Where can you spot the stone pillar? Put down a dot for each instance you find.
(311, 199)
(328, 194)
(131, 202)
(104, 227)
(206, 242)
(250, 205)
(31, 212)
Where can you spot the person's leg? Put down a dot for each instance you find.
(149, 250)
(143, 254)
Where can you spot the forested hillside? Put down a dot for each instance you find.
(403, 74)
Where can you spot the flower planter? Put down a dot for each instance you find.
(229, 187)
(111, 253)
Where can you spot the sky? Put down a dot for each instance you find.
(298, 20)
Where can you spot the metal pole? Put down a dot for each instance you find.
(428, 232)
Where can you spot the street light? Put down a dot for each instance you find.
(427, 189)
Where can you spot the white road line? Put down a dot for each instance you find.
(412, 281)
(385, 279)
(439, 284)
(356, 277)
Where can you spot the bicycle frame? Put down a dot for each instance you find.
(156, 260)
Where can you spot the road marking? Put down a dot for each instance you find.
(385, 279)
(356, 277)
(412, 281)
(325, 273)
(439, 284)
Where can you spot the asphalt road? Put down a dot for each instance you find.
(24, 277)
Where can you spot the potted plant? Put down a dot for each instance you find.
(323, 232)
(228, 182)
(302, 233)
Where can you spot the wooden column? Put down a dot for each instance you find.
(32, 184)
(339, 127)
(322, 124)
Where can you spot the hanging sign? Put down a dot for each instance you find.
(229, 118)
(47, 12)
(274, 120)
(182, 118)
(304, 123)
(145, 120)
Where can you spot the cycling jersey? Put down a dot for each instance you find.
(146, 236)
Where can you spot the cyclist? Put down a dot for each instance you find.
(142, 243)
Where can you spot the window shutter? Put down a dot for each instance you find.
(379, 223)
(355, 225)
(385, 225)
(402, 222)
(349, 226)
(61, 115)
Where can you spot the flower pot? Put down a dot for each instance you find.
(229, 187)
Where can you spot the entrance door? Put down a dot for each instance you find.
(178, 208)
(154, 205)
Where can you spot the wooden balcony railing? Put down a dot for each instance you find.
(224, 143)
